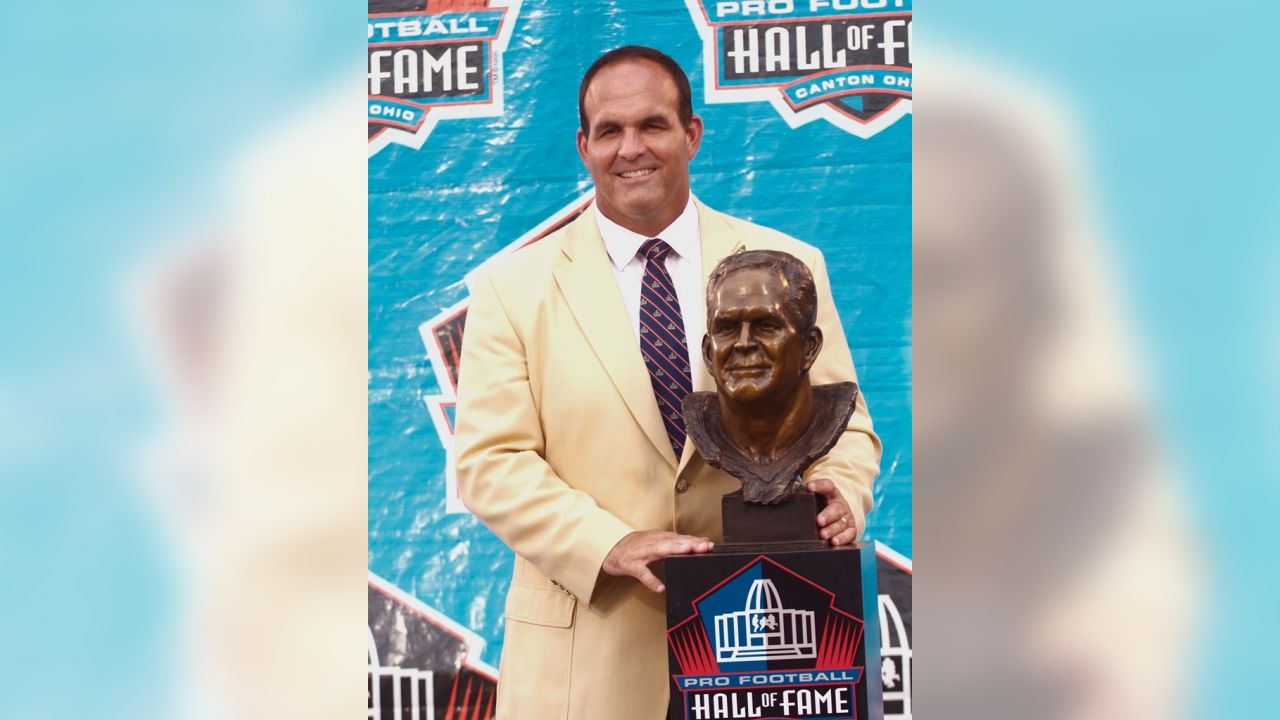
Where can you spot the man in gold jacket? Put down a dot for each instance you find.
(561, 447)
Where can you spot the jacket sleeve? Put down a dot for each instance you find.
(854, 462)
(502, 476)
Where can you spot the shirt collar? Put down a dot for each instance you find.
(623, 244)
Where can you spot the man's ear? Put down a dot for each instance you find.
(812, 346)
(693, 135)
(706, 353)
(582, 145)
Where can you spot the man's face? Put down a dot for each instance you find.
(635, 147)
(752, 346)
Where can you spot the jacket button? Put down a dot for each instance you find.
(682, 485)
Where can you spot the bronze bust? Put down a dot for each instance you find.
(765, 424)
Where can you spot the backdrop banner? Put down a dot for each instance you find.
(472, 122)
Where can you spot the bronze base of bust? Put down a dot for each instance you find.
(766, 483)
(789, 525)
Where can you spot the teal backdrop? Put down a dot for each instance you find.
(476, 185)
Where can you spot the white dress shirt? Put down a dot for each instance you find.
(684, 263)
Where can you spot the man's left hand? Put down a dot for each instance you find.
(835, 522)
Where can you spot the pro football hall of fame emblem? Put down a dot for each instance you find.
(431, 60)
(782, 635)
(844, 61)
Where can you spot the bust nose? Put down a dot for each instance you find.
(744, 338)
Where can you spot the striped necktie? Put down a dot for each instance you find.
(662, 340)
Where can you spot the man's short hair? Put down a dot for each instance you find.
(802, 295)
(684, 104)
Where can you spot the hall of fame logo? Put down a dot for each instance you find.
(431, 60)
(844, 61)
(893, 571)
(423, 665)
(750, 650)
(763, 629)
(442, 337)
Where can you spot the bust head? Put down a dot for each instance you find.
(762, 336)
(765, 424)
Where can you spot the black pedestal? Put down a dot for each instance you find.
(790, 634)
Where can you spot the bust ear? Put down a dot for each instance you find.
(812, 346)
(706, 353)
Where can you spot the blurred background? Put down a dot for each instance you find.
(179, 214)
(1095, 284)
(183, 392)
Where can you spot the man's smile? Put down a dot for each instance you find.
(633, 174)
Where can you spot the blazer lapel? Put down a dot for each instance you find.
(718, 241)
(591, 291)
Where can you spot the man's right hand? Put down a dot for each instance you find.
(633, 554)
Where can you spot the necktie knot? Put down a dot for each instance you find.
(655, 250)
